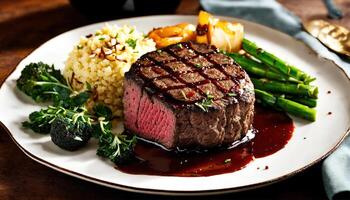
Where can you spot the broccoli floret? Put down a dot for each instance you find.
(70, 134)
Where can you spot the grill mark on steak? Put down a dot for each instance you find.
(175, 74)
(209, 61)
(166, 112)
(216, 68)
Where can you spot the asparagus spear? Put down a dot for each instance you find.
(259, 69)
(286, 105)
(286, 88)
(311, 102)
(273, 61)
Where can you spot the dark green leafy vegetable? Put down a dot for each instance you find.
(73, 100)
(118, 148)
(103, 111)
(40, 121)
(43, 83)
(68, 122)
(69, 129)
(71, 133)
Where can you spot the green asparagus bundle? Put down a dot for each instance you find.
(286, 88)
(275, 62)
(311, 102)
(286, 105)
(277, 83)
(259, 69)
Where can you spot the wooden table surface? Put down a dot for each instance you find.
(24, 25)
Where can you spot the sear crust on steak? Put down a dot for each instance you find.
(188, 95)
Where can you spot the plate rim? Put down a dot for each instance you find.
(168, 192)
(162, 191)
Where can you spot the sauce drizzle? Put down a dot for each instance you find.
(273, 131)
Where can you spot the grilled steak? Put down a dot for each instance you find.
(188, 95)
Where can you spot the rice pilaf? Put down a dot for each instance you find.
(101, 59)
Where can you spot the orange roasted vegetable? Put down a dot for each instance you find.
(168, 35)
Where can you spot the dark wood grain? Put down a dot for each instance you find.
(24, 25)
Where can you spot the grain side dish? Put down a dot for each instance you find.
(101, 59)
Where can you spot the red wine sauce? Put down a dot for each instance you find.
(273, 131)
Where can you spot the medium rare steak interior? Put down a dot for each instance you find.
(188, 95)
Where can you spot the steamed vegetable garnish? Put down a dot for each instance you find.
(119, 148)
(69, 129)
(68, 121)
(286, 88)
(311, 102)
(275, 62)
(259, 69)
(286, 105)
(71, 133)
(40, 121)
(75, 99)
(278, 84)
(101, 110)
(41, 82)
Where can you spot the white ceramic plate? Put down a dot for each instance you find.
(322, 136)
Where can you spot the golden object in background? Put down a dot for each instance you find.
(333, 36)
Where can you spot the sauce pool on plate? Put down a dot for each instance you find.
(273, 129)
